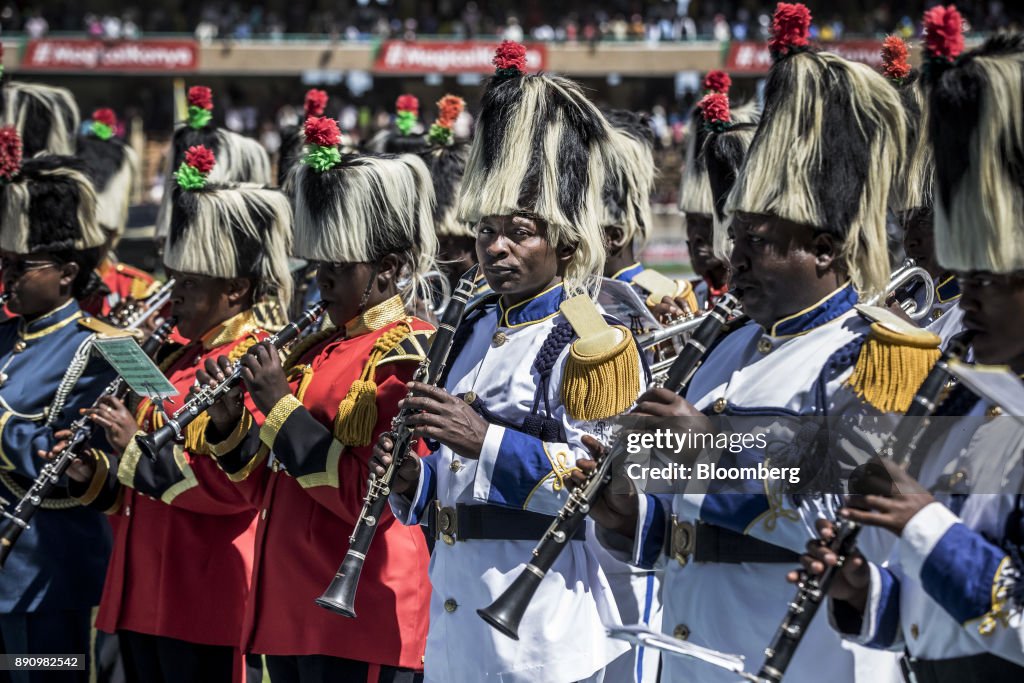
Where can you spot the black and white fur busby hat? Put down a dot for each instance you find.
(445, 158)
(977, 135)
(359, 208)
(229, 230)
(45, 117)
(240, 159)
(831, 134)
(630, 173)
(694, 190)
(48, 204)
(912, 188)
(725, 146)
(113, 167)
(405, 135)
(538, 150)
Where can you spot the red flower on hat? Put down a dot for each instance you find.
(894, 58)
(510, 56)
(10, 152)
(449, 108)
(790, 27)
(323, 132)
(717, 81)
(714, 108)
(200, 96)
(407, 103)
(316, 102)
(943, 33)
(200, 158)
(105, 116)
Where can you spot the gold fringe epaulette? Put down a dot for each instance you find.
(195, 433)
(357, 412)
(892, 364)
(601, 383)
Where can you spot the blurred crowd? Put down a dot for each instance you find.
(571, 21)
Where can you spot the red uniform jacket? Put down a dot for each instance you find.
(120, 281)
(183, 531)
(313, 493)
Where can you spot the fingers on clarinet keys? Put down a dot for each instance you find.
(871, 478)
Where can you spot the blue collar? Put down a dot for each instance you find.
(52, 321)
(628, 273)
(533, 310)
(828, 309)
(947, 290)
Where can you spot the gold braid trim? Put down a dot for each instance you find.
(603, 384)
(195, 433)
(99, 477)
(276, 418)
(357, 412)
(891, 367)
(48, 504)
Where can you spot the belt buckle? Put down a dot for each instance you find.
(447, 524)
(683, 541)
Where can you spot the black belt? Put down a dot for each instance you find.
(983, 668)
(489, 523)
(709, 543)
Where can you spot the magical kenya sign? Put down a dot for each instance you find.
(98, 55)
(471, 56)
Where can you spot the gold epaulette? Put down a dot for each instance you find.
(893, 362)
(105, 329)
(195, 433)
(659, 286)
(413, 347)
(602, 374)
(357, 412)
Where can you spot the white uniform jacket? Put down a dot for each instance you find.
(795, 372)
(562, 636)
(953, 586)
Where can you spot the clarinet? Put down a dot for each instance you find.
(204, 397)
(812, 590)
(17, 521)
(340, 595)
(506, 612)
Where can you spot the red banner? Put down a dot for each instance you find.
(754, 58)
(471, 56)
(70, 54)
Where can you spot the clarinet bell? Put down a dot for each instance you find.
(340, 596)
(506, 612)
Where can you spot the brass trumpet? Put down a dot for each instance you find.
(901, 277)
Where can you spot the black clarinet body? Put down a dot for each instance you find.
(17, 520)
(204, 397)
(340, 595)
(506, 612)
(812, 590)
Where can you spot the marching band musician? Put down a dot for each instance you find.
(951, 594)
(520, 393)
(629, 181)
(911, 197)
(52, 579)
(183, 531)
(112, 166)
(801, 253)
(306, 434)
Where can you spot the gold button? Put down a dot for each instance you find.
(994, 411)
(448, 539)
(455, 466)
(914, 631)
(499, 338)
(764, 345)
(470, 397)
(20, 346)
(682, 632)
(936, 314)
(450, 605)
(719, 405)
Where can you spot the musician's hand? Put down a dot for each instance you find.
(117, 422)
(407, 475)
(669, 309)
(890, 511)
(264, 376)
(79, 470)
(445, 418)
(226, 412)
(852, 582)
(617, 507)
